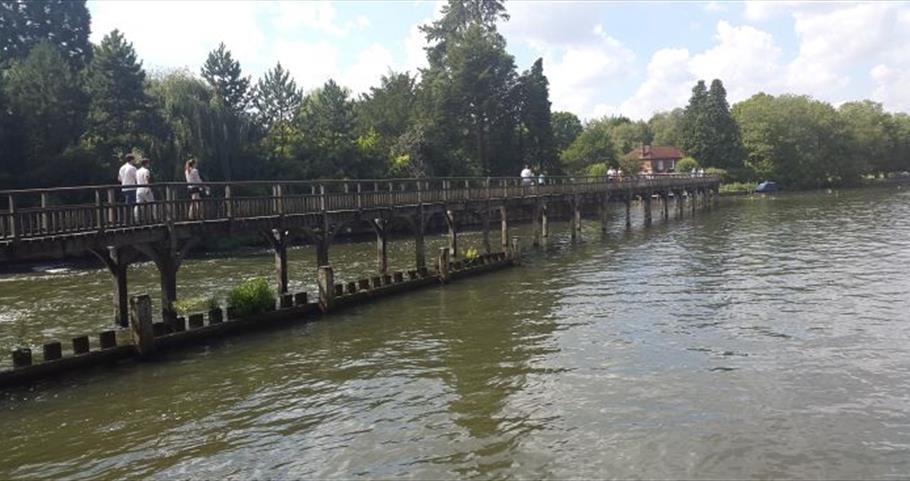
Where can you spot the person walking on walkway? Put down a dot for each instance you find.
(127, 178)
(193, 180)
(527, 176)
(144, 192)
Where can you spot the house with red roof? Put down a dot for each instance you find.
(656, 159)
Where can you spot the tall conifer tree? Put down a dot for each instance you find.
(223, 73)
(64, 23)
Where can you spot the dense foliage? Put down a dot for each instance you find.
(69, 110)
(252, 296)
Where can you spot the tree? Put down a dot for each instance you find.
(628, 135)
(795, 140)
(536, 129)
(120, 111)
(666, 128)
(276, 100)
(277, 97)
(726, 145)
(871, 143)
(48, 99)
(457, 17)
(232, 91)
(593, 146)
(388, 110)
(566, 128)
(710, 134)
(326, 119)
(223, 73)
(64, 23)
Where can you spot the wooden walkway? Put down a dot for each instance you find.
(62, 222)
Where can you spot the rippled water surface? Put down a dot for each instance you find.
(766, 338)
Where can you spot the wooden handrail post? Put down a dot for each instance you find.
(13, 230)
(322, 197)
(111, 210)
(99, 211)
(228, 203)
(445, 190)
(280, 199)
(169, 210)
(44, 223)
(419, 192)
(359, 198)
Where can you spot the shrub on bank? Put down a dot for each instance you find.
(251, 297)
(195, 304)
(685, 165)
(738, 187)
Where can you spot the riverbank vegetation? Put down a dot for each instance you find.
(69, 110)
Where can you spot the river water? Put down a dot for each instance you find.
(766, 338)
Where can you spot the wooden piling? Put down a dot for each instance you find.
(196, 321)
(52, 351)
(442, 264)
(107, 339)
(80, 345)
(141, 328)
(325, 278)
(22, 357)
(216, 316)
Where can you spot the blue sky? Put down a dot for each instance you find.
(602, 58)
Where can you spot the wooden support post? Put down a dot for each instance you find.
(420, 252)
(628, 202)
(604, 213)
(141, 325)
(665, 200)
(453, 234)
(326, 279)
(382, 252)
(322, 250)
(576, 218)
(535, 225)
(504, 234)
(277, 239)
(693, 199)
(646, 200)
(485, 219)
(442, 264)
(117, 261)
(544, 222)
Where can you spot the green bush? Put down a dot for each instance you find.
(737, 187)
(597, 170)
(251, 297)
(685, 165)
(195, 304)
(724, 176)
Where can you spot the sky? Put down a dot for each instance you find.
(602, 58)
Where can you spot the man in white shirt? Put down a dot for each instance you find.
(127, 177)
(144, 192)
(526, 175)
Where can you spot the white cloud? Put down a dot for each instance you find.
(666, 87)
(715, 7)
(891, 87)
(174, 36)
(315, 15)
(372, 63)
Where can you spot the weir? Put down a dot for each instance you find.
(63, 222)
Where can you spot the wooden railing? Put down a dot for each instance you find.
(69, 210)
